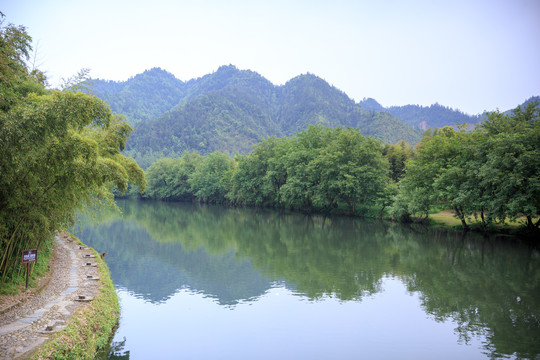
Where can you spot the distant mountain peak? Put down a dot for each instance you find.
(229, 67)
(371, 104)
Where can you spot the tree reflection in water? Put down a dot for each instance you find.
(488, 286)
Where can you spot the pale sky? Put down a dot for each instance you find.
(466, 54)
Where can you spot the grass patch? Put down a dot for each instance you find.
(446, 217)
(90, 328)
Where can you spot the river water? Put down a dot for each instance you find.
(209, 282)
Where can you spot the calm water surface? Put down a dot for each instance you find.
(207, 282)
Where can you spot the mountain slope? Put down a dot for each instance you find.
(223, 120)
(230, 110)
(307, 99)
(143, 97)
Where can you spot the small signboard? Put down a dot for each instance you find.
(29, 256)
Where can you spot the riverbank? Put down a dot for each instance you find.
(447, 219)
(71, 317)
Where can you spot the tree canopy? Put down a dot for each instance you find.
(319, 169)
(492, 172)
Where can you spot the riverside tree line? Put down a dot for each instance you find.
(491, 172)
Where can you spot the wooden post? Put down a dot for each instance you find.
(27, 273)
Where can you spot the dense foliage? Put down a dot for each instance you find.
(60, 150)
(492, 172)
(319, 169)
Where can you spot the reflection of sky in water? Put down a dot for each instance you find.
(282, 325)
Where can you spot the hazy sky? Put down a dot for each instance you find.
(466, 54)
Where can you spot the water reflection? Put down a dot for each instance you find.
(155, 270)
(487, 286)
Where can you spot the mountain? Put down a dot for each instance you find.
(229, 110)
(531, 99)
(143, 97)
(308, 99)
(223, 120)
(434, 116)
(425, 117)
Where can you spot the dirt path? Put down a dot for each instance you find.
(27, 321)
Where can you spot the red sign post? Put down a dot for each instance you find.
(28, 256)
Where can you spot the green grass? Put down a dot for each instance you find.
(90, 328)
(447, 218)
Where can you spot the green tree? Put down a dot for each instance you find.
(159, 179)
(60, 151)
(207, 181)
(492, 171)
(349, 168)
(440, 176)
(297, 192)
(398, 155)
(16, 81)
(510, 173)
(246, 180)
(168, 179)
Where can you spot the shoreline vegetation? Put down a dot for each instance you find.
(91, 328)
(518, 227)
(488, 176)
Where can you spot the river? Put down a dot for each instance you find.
(210, 282)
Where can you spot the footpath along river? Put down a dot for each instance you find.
(28, 320)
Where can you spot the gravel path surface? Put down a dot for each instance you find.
(30, 320)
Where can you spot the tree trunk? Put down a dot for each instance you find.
(381, 212)
(464, 224)
(483, 220)
(530, 224)
(461, 217)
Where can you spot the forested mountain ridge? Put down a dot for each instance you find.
(229, 77)
(433, 116)
(221, 120)
(231, 109)
(524, 105)
(309, 100)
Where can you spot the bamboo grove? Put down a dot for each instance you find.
(60, 151)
